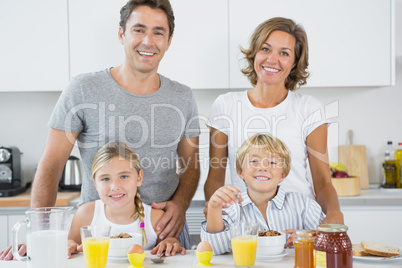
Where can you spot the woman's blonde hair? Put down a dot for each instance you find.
(266, 143)
(124, 152)
(298, 75)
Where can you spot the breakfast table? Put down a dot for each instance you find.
(190, 260)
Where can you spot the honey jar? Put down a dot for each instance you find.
(304, 247)
(332, 247)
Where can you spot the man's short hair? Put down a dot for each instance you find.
(163, 5)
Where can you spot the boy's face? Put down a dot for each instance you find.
(262, 171)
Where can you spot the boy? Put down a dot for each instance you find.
(262, 162)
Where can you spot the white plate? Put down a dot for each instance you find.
(118, 259)
(272, 258)
(378, 258)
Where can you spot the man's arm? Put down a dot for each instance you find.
(319, 165)
(57, 150)
(173, 220)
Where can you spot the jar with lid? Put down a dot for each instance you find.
(304, 247)
(332, 247)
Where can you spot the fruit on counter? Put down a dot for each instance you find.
(338, 166)
(338, 170)
(340, 174)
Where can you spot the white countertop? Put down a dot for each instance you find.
(374, 197)
(190, 260)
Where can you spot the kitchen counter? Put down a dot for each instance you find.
(370, 197)
(24, 199)
(18, 204)
(374, 196)
(190, 260)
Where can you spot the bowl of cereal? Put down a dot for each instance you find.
(119, 244)
(270, 243)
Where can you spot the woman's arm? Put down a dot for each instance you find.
(319, 165)
(218, 155)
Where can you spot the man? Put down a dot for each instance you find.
(130, 103)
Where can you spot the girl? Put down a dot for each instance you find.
(117, 173)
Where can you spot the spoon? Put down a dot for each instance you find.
(158, 259)
(241, 208)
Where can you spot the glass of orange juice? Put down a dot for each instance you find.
(244, 243)
(95, 242)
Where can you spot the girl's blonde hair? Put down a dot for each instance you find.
(266, 143)
(124, 152)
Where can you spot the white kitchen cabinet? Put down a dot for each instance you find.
(197, 56)
(194, 217)
(374, 223)
(3, 232)
(94, 42)
(34, 45)
(46, 42)
(351, 43)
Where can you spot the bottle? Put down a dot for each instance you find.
(398, 163)
(304, 248)
(332, 247)
(389, 167)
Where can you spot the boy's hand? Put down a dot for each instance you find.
(170, 246)
(289, 242)
(220, 199)
(206, 210)
(73, 248)
(223, 196)
(7, 254)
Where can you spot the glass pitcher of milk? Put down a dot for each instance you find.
(47, 232)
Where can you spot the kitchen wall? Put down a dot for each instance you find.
(373, 113)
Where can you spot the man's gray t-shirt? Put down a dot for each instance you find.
(102, 111)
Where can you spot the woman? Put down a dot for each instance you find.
(277, 63)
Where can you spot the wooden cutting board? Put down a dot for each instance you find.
(354, 157)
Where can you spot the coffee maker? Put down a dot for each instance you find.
(10, 172)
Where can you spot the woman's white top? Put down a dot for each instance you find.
(291, 121)
(134, 227)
